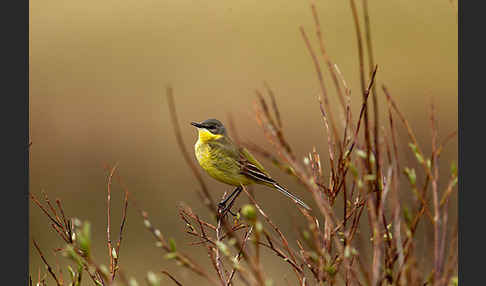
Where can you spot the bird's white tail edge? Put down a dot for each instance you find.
(290, 195)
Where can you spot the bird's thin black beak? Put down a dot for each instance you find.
(198, 125)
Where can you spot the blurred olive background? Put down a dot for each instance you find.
(98, 72)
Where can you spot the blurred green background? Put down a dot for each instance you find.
(98, 72)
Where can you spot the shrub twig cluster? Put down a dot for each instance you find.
(361, 194)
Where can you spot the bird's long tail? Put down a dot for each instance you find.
(255, 173)
(290, 195)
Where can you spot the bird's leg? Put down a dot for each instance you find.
(234, 197)
(222, 205)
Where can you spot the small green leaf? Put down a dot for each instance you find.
(407, 216)
(306, 235)
(417, 153)
(147, 223)
(114, 254)
(372, 158)
(413, 147)
(84, 238)
(353, 170)
(249, 212)
(223, 248)
(369, 177)
(306, 161)
(453, 168)
(232, 241)
(412, 177)
(258, 227)
(330, 269)
(346, 153)
(171, 255)
(454, 182)
(172, 244)
(347, 251)
(420, 159)
(71, 254)
(313, 256)
(71, 272)
(361, 153)
(132, 282)
(153, 279)
(236, 263)
(76, 222)
(190, 227)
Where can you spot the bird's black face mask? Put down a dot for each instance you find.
(212, 125)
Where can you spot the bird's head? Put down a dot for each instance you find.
(211, 129)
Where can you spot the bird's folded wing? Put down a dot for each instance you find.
(253, 171)
(247, 156)
(250, 167)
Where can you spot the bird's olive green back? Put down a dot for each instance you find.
(230, 149)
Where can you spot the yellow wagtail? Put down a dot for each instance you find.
(230, 164)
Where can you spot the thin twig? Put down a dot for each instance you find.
(179, 256)
(278, 131)
(363, 109)
(438, 227)
(326, 57)
(219, 263)
(49, 268)
(171, 277)
(362, 82)
(317, 66)
(175, 122)
(376, 113)
(277, 230)
(108, 213)
(118, 243)
(238, 257)
(274, 105)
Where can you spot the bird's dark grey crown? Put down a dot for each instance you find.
(213, 125)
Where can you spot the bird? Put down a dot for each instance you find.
(231, 164)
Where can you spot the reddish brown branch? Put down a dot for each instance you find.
(175, 122)
(108, 213)
(171, 277)
(49, 268)
(328, 110)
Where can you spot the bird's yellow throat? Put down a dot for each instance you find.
(206, 136)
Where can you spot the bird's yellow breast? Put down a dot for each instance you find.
(218, 165)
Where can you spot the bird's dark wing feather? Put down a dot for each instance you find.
(254, 172)
(251, 168)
